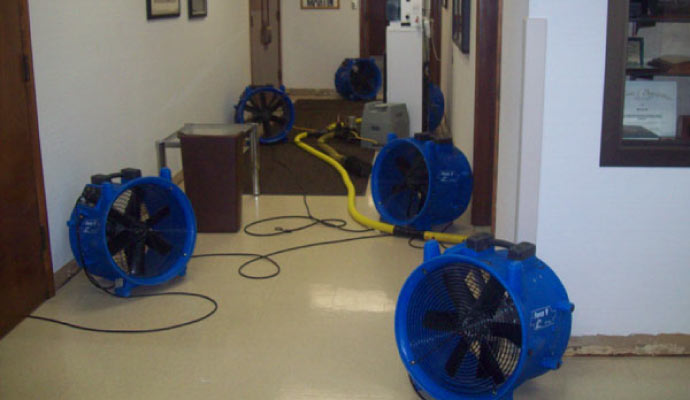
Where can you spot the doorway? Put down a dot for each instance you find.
(264, 22)
(26, 274)
(372, 28)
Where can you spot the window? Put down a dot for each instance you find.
(461, 24)
(646, 118)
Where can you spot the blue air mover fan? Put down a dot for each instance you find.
(476, 322)
(269, 107)
(419, 182)
(437, 107)
(141, 230)
(358, 79)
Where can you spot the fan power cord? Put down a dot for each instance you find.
(96, 284)
(395, 230)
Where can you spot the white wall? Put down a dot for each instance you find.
(618, 237)
(510, 119)
(109, 83)
(463, 88)
(315, 43)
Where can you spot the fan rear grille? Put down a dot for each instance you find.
(464, 330)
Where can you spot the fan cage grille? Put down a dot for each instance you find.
(172, 228)
(270, 109)
(431, 349)
(403, 182)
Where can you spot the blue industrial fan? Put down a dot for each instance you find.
(140, 231)
(420, 182)
(358, 79)
(269, 107)
(476, 322)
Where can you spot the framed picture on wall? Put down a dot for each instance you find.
(320, 4)
(461, 24)
(162, 9)
(198, 8)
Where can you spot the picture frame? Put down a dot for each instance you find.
(162, 9)
(461, 24)
(320, 4)
(198, 8)
(635, 53)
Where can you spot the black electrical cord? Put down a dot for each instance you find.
(135, 331)
(108, 290)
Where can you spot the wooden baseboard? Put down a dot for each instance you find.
(634, 345)
(296, 94)
(178, 178)
(64, 274)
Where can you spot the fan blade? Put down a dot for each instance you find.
(137, 258)
(445, 321)
(458, 291)
(250, 108)
(117, 217)
(491, 297)
(403, 165)
(133, 208)
(157, 242)
(252, 103)
(278, 120)
(412, 207)
(262, 99)
(507, 330)
(156, 218)
(119, 242)
(488, 366)
(280, 103)
(456, 357)
(267, 129)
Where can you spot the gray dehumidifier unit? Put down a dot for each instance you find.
(379, 119)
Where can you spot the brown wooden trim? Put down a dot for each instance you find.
(436, 50)
(363, 22)
(36, 145)
(65, 274)
(498, 115)
(634, 345)
(486, 110)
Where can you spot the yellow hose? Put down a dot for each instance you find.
(351, 207)
(328, 149)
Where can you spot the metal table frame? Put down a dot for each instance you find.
(173, 142)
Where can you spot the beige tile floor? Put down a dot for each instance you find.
(323, 329)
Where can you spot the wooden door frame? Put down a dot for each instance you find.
(486, 111)
(279, 38)
(45, 279)
(363, 24)
(36, 146)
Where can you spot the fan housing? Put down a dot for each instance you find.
(138, 232)
(358, 79)
(270, 108)
(476, 322)
(421, 182)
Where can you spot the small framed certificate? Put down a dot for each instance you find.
(651, 105)
(635, 52)
(162, 9)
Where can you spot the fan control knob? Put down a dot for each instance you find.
(480, 242)
(91, 195)
(522, 251)
(129, 174)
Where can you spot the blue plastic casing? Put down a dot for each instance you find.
(366, 66)
(437, 106)
(538, 295)
(87, 231)
(249, 92)
(450, 183)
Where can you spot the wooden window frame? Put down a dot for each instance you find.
(614, 151)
